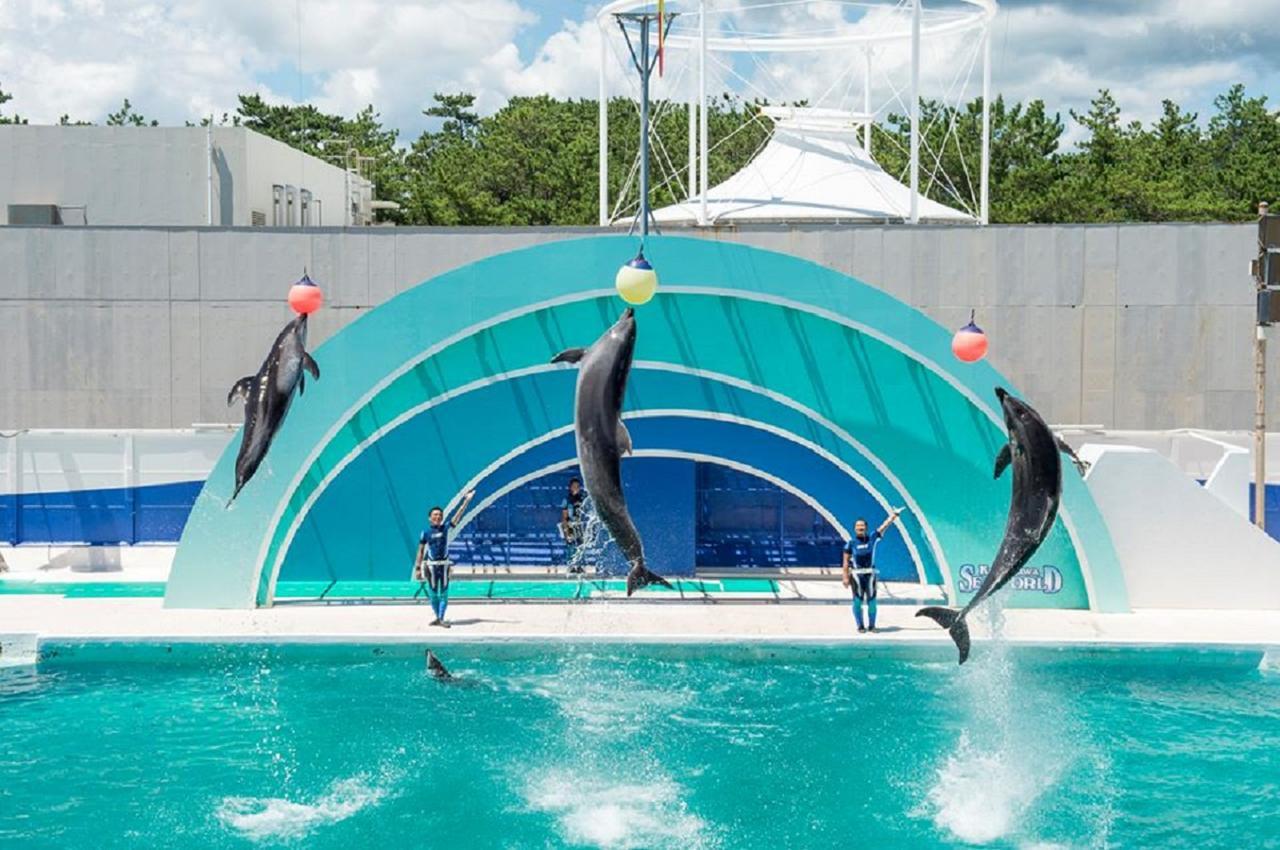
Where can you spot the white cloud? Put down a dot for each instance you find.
(176, 59)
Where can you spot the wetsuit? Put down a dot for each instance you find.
(435, 565)
(572, 505)
(862, 559)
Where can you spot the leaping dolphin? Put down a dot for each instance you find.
(267, 396)
(602, 437)
(1033, 449)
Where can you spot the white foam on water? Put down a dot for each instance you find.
(280, 819)
(980, 796)
(618, 815)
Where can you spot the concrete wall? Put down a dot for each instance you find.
(157, 175)
(1131, 326)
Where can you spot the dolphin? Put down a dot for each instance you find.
(267, 396)
(602, 437)
(1033, 450)
(437, 669)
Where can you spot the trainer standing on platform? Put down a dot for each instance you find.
(571, 523)
(859, 567)
(432, 563)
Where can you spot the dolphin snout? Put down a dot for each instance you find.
(1001, 394)
(629, 313)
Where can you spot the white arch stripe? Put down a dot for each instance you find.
(694, 456)
(925, 525)
(373, 437)
(810, 446)
(682, 413)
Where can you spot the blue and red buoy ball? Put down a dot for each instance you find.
(969, 345)
(305, 297)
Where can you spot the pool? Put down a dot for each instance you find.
(634, 745)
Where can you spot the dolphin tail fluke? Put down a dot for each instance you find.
(641, 576)
(953, 623)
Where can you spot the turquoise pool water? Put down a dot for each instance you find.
(616, 746)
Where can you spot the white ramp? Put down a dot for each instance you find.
(1179, 545)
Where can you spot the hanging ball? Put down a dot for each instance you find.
(636, 281)
(970, 343)
(305, 297)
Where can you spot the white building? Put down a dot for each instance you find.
(171, 176)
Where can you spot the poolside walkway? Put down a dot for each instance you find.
(55, 617)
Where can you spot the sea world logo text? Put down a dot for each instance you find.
(1045, 579)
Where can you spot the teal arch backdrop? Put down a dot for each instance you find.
(448, 384)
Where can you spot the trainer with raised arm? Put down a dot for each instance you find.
(432, 563)
(859, 567)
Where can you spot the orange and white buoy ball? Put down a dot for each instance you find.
(305, 297)
(969, 345)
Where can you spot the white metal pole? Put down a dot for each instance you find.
(693, 148)
(208, 167)
(984, 189)
(866, 99)
(1260, 386)
(603, 153)
(915, 111)
(704, 168)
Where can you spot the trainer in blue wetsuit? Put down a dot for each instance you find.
(859, 567)
(571, 521)
(432, 563)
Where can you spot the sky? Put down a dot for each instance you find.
(179, 59)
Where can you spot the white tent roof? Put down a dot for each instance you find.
(812, 169)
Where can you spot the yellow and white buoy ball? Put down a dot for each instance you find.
(636, 281)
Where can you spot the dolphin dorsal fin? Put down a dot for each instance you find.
(569, 355)
(624, 438)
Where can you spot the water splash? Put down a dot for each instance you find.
(606, 813)
(1003, 762)
(590, 553)
(281, 819)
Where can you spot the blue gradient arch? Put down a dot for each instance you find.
(850, 365)
(832, 482)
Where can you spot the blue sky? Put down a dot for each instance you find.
(178, 60)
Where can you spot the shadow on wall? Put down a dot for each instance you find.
(226, 212)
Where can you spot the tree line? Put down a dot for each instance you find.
(533, 162)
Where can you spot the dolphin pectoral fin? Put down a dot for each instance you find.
(641, 576)
(240, 389)
(309, 363)
(1063, 446)
(624, 438)
(1003, 459)
(953, 623)
(569, 355)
